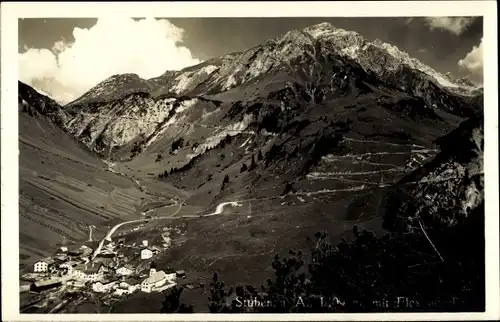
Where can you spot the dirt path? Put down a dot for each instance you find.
(218, 210)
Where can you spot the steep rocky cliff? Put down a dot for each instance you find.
(448, 188)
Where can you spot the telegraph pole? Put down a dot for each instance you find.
(90, 233)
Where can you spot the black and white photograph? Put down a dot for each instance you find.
(317, 164)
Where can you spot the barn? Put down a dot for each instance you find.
(44, 285)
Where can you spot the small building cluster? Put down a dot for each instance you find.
(117, 270)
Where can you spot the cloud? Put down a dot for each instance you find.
(473, 61)
(455, 25)
(146, 47)
(59, 46)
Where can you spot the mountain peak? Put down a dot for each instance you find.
(123, 76)
(114, 87)
(327, 30)
(321, 26)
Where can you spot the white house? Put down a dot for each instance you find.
(156, 280)
(93, 274)
(128, 286)
(79, 274)
(42, 265)
(145, 243)
(124, 271)
(168, 241)
(146, 254)
(124, 289)
(93, 277)
(100, 287)
(67, 266)
(83, 273)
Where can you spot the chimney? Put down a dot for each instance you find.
(152, 271)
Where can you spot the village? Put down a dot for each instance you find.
(111, 271)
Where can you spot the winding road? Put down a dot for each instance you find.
(218, 210)
(220, 207)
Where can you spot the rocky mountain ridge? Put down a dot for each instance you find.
(124, 96)
(296, 99)
(237, 68)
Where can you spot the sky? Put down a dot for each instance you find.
(65, 57)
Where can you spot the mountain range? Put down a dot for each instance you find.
(318, 129)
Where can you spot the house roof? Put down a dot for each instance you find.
(132, 280)
(69, 263)
(80, 266)
(110, 280)
(58, 260)
(103, 260)
(106, 255)
(102, 266)
(156, 277)
(73, 248)
(61, 257)
(47, 260)
(91, 244)
(52, 281)
(92, 269)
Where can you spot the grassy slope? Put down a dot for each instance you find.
(63, 186)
